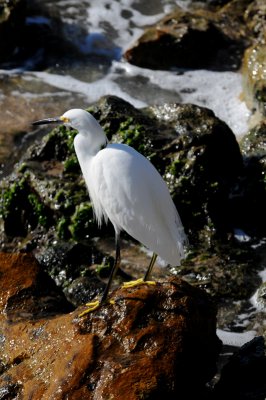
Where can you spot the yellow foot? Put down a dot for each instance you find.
(137, 282)
(93, 306)
(90, 307)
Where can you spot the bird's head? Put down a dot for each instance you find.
(84, 123)
(75, 118)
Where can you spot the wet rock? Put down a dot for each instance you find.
(28, 293)
(199, 176)
(194, 39)
(250, 195)
(254, 77)
(12, 17)
(124, 123)
(153, 340)
(227, 272)
(254, 17)
(260, 297)
(243, 377)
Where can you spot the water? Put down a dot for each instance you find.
(101, 31)
(49, 82)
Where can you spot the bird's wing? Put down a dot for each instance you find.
(136, 199)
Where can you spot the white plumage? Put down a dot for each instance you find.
(126, 188)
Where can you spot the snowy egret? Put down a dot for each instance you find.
(125, 188)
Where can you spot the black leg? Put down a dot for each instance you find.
(152, 262)
(114, 269)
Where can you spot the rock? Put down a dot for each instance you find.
(254, 17)
(12, 17)
(197, 172)
(155, 340)
(27, 293)
(194, 39)
(260, 297)
(254, 77)
(250, 196)
(228, 272)
(243, 377)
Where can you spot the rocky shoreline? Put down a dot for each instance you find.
(48, 235)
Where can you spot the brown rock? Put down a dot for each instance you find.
(26, 291)
(193, 39)
(154, 341)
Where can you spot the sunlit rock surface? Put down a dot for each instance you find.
(155, 340)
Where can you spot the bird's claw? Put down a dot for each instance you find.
(92, 306)
(137, 282)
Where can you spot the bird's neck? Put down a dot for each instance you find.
(87, 146)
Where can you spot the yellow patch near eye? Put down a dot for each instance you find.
(64, 119)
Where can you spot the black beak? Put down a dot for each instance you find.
(48, 121)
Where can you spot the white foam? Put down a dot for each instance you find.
(91, 91)
(235, 338)
(215, 90)
(241, 236)
(219, 91)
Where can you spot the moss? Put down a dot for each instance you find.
(38, 209)
(123, 123)
(82, 222)
(71, 164)
(132, 134)
(57, 145)
(68, 196)
(22, 209)
(62, 228)
(104, 269)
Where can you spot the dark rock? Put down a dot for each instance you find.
(227, 272)
(194, 39)
(12, 18)
(153, 341)
(243, 377)
(84, 289)
(30, 40)
(202, 166)
(250, 194)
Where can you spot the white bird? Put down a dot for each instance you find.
(125, 188)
